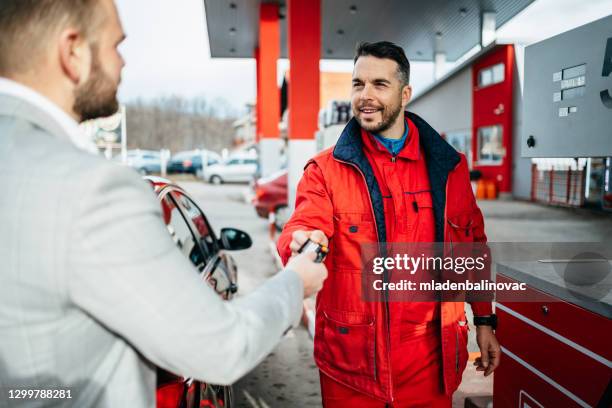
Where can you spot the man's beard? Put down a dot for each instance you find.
(96, 98)
(389, 116)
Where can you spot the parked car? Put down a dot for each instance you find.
(193, 235)
(270, 196)
(144, 161)
(191, 161)
(235, 169)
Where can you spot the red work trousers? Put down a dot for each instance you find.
(416, 371)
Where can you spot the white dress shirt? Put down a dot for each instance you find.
(68, 124)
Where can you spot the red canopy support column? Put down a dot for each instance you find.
(268, 93)
(304, 29)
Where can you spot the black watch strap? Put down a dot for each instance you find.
(490, 320)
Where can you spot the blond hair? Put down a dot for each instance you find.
(27, 25)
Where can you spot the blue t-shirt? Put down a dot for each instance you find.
(394, 146)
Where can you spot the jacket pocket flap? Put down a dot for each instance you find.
(463, 221)
(348, 318)
(423, 199)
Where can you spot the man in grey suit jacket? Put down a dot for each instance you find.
(93, 292)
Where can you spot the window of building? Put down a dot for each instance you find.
(490, 145)
(491, 75)
(462, 142)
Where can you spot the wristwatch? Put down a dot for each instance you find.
(490, 320)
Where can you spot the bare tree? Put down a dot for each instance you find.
(177, 123)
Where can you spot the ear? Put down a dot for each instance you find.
(406, 95)
(74, 55)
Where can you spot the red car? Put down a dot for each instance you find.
(271, 197)
(193, 235)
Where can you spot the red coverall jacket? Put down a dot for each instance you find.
(340, 180)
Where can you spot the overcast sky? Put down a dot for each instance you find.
(167, 48)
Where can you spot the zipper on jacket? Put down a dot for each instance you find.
(387, 312)
(393, 159)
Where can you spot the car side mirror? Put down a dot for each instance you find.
(233, 239)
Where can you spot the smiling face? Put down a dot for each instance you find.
(378, 95)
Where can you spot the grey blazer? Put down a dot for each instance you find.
(93, 292)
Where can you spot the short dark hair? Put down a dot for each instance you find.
(25, 25)
(388, 50)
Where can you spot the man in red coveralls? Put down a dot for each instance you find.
(389, 178)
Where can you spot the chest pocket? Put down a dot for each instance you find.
(419, 216)
(351, 230)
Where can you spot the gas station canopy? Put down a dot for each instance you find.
(423, 28)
